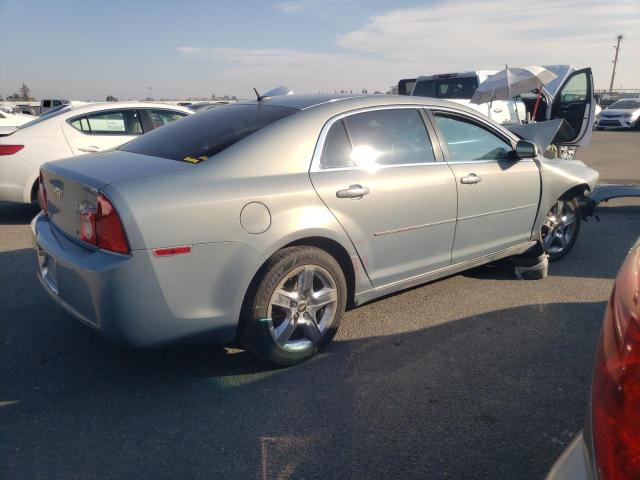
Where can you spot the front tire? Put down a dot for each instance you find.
(294, 306)
(561, 228)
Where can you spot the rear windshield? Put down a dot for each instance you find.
(454, 87)
(203, 135)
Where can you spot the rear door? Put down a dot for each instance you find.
(497, 195)
(102, 130)
(575, 103)
(378, 173)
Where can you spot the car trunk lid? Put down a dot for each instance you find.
(72, 185)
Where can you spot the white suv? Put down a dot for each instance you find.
(459, 88)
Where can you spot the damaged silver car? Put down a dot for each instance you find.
(264, 220)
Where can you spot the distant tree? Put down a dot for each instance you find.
(213, 96)
(1, 99)
(14, 97)
(148, 99)
(25, 92)
(111, 98)
(234, 98)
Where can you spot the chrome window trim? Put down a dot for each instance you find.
(316, 160)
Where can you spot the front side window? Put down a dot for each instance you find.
(120, 122)
(575, 90)
(468, 141)
(163, 117)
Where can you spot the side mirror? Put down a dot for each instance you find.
(526, 149)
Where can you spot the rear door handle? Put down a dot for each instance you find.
(90, 149)
(471, 179)
(354, 191)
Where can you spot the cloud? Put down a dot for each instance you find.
(445, 37)
(473, 35)
(296, 6)
(293, 6)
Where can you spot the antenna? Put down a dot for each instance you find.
(257, 94)
(619, 37)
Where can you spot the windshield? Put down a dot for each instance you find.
(625, 104)
(45, 116)
(454, 87)
(198, 137)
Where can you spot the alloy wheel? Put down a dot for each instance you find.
(302, 307)
(559, 228)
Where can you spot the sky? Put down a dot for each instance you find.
(88, 49)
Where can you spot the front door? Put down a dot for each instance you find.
(380, 177)
(575, 103)
(497, 195)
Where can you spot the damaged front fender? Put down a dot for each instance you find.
(564, 179)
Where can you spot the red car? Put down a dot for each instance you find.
(609, 447)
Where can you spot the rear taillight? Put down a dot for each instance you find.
(102, 227)
(10, 149)
(616, 380)
(42, 194)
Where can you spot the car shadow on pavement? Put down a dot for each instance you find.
(495, 395)
(17, 214)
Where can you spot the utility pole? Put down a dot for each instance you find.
(620, 37)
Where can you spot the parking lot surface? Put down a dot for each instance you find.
(478, 375)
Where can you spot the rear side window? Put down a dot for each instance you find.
(160, 118)
(206, 134)
(120, 122)
(337, 148)
(378, 138)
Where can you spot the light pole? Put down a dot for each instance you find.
(620, 37)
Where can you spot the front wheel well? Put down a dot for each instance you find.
(338, 252)
(577, 191)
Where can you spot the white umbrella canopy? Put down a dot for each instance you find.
(511, 82)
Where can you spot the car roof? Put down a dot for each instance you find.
(351, 101)
(91, 107)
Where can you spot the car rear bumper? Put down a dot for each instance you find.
(573, 464)
(146, 301)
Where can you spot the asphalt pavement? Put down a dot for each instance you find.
(477, 376)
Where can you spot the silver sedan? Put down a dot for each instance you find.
(264, 220)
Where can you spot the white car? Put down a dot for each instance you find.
(624, 113)
(10, 121)
(73, 131)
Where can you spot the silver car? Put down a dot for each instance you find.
(264, 220)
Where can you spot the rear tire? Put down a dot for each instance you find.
(294, 306)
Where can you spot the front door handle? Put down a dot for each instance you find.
(471, 179)
(354, 191)
(89, 149)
